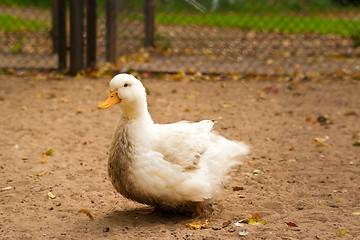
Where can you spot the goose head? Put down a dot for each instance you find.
(127, 92)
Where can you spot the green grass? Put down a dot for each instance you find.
(10, 23)
(285, 24)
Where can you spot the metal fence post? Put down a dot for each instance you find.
(76, 36)
(61, 28)
(91, 27)
(111, 13)
(149, 22)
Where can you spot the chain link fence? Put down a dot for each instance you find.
(208, 36)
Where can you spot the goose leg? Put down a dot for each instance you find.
(199, 210)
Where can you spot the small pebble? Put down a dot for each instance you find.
(51, 208)
(300, 207)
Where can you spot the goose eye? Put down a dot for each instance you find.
(125, 85)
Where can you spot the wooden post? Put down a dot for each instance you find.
(55, 25)
(149, 22)
(76, 36)
(111, 15)
(91, 34)
(61, 42)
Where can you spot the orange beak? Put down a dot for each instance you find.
(112, 99)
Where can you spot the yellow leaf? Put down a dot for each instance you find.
(40, 95)
(341, 233)
(85, 211)
(254, 222)
(51, 195)
(39, 174)
(49, 152)
(198, 225)
(45, 160)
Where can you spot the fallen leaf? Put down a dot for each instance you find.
(254, 222)
(308, 118)
(341, 233)
(269, 139)
(6, 188)
(356, 144)
(39, 174)
(320, 140)
(49, 152)
(53, 95)
(40, 95)
(51, 195)
(292, 148)
(351, 113)
(324, 120)
(291, 160)
(237, 188)
(226, 105)
(87, 212)
(198, 225)
(244, 220)
(255, 217)
(356, 213)
(291, 224)
(44, 157)
(340, 191)
(257, 172)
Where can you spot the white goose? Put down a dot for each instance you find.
(175, 166)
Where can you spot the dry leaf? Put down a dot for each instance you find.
(6, 188)
(257, 172)
(292, 148)
(244, 220)
(324, 120)
(226, 105)
(356, 144)
(356, 213)
(198, 225)
(236, 188)
(291, 224)
(255, 217)
(341, 233)
(39, 174)
(44, 157)
(51, 195)
(308, 118)
(269, 139)
(87, 212)
(351, 113)
(49, 152)
(340, 191)
(254, 222)
(291, 160)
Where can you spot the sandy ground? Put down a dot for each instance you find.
(314, 185)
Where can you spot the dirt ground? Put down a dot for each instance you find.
(314, 185)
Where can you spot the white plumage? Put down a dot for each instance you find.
(169, 166)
